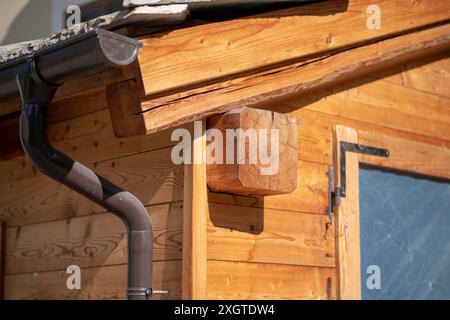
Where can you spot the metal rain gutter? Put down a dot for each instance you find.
(36, 78)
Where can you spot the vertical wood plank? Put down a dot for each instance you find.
(2, 258)
(347, 220)
(194, 220)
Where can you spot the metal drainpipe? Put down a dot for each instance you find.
(36, 96)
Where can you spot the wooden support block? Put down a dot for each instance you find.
(240, 139)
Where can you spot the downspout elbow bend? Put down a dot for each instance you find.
(36, 97)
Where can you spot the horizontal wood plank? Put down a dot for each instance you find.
(237, 280)
(385, 104)
(79, 86)
(430, 74)
(316, 144)
(92, 241)
(103, 283)
(66, 109)
(407, 156)
(63, 110)
(272, 236)
(151, 176)
(87, 139)
(77, 106)
(154, 179)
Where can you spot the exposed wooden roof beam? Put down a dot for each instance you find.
(214, 52)
(267, 86)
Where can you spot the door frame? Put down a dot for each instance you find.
(407, 155)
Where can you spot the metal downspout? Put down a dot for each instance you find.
(36, 96)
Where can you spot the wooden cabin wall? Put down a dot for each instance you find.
(50, 227)
(279, 247)
(282, 247)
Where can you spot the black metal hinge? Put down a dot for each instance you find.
(334, 196)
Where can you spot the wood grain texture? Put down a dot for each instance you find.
(91, 241)
(309, 197)
(189, 56)
(87, 139)
(407, 156)
(266, 87)
(195, 204)
(238, 280)
(258, 248)
(151, 176)
(90, 138)
(73, 99)
(347, 220)
(316, 134)
(102, 283)
(243, 174)
(61, 110)
(79, 86)
(430, 74)
(77, 106)
(385, 104)
(269, 236)
(125, 108)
